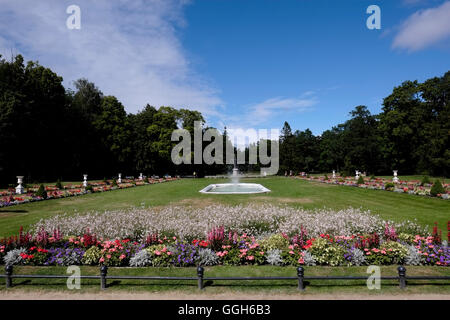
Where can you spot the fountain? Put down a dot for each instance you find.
(235, 187)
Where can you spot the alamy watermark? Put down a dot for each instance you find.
(374, 20)
(374, 280)
(74, 280)
(74, 20)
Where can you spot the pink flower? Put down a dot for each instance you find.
(122, 257)
(108, 256)
(101, 259)
(250, 258)
(158, 253)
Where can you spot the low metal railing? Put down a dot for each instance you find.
(200, 278)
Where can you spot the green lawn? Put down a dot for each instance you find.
(285, 191)
(222, 286)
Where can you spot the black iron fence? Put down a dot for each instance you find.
(201, 279)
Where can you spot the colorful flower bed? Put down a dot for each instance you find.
(9, 198)
(411, 187)
(242, 242)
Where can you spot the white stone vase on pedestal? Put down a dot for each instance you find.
(120, 178)
(141, 177)
(357, 175)
(19, 188)
(395, 179)
(334, 174)
(85, 183)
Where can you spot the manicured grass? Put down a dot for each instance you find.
(220, 286)
(285, 191)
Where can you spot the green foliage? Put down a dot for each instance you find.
(161, 256)
(89, 188)
(324, 252)
(389, 253)
(59, 185)
(276, 241)
(389, 186)
(92, 256)
(425, 180)
(360, 180)
(406, 237)
(41, 192)
(39, 257)
(437, 188)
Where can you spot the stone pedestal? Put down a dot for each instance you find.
(19, 188)
(395, 179)
(141, 177)
(334, 174)
(85, 183)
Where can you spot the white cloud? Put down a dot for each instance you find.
(266, 110)
(424, 28)
(129, 49)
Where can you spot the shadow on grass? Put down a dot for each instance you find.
(13, 211)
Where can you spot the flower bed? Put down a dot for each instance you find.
(296, 237)
(9, 198)
(411, 187)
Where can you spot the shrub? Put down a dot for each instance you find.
(37, 256)
(207, 257)
(59, 184)
(276, 241)
(437, 188)
(389, 186)
(413, 258)
(425, 180)
(308, 259)
(325, 253)
(89, 188)
(326, 177)
(141, 259)
(161, 256)
(390, 252)
(91, 256)
(372, 177)
(41, 192)
(360, 180)
(114, 182)
(273, 257)
(406, 237)
(14, 257)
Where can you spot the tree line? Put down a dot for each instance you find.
(48, 132)
(411, 135)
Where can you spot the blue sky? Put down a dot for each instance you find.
(243, 63)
